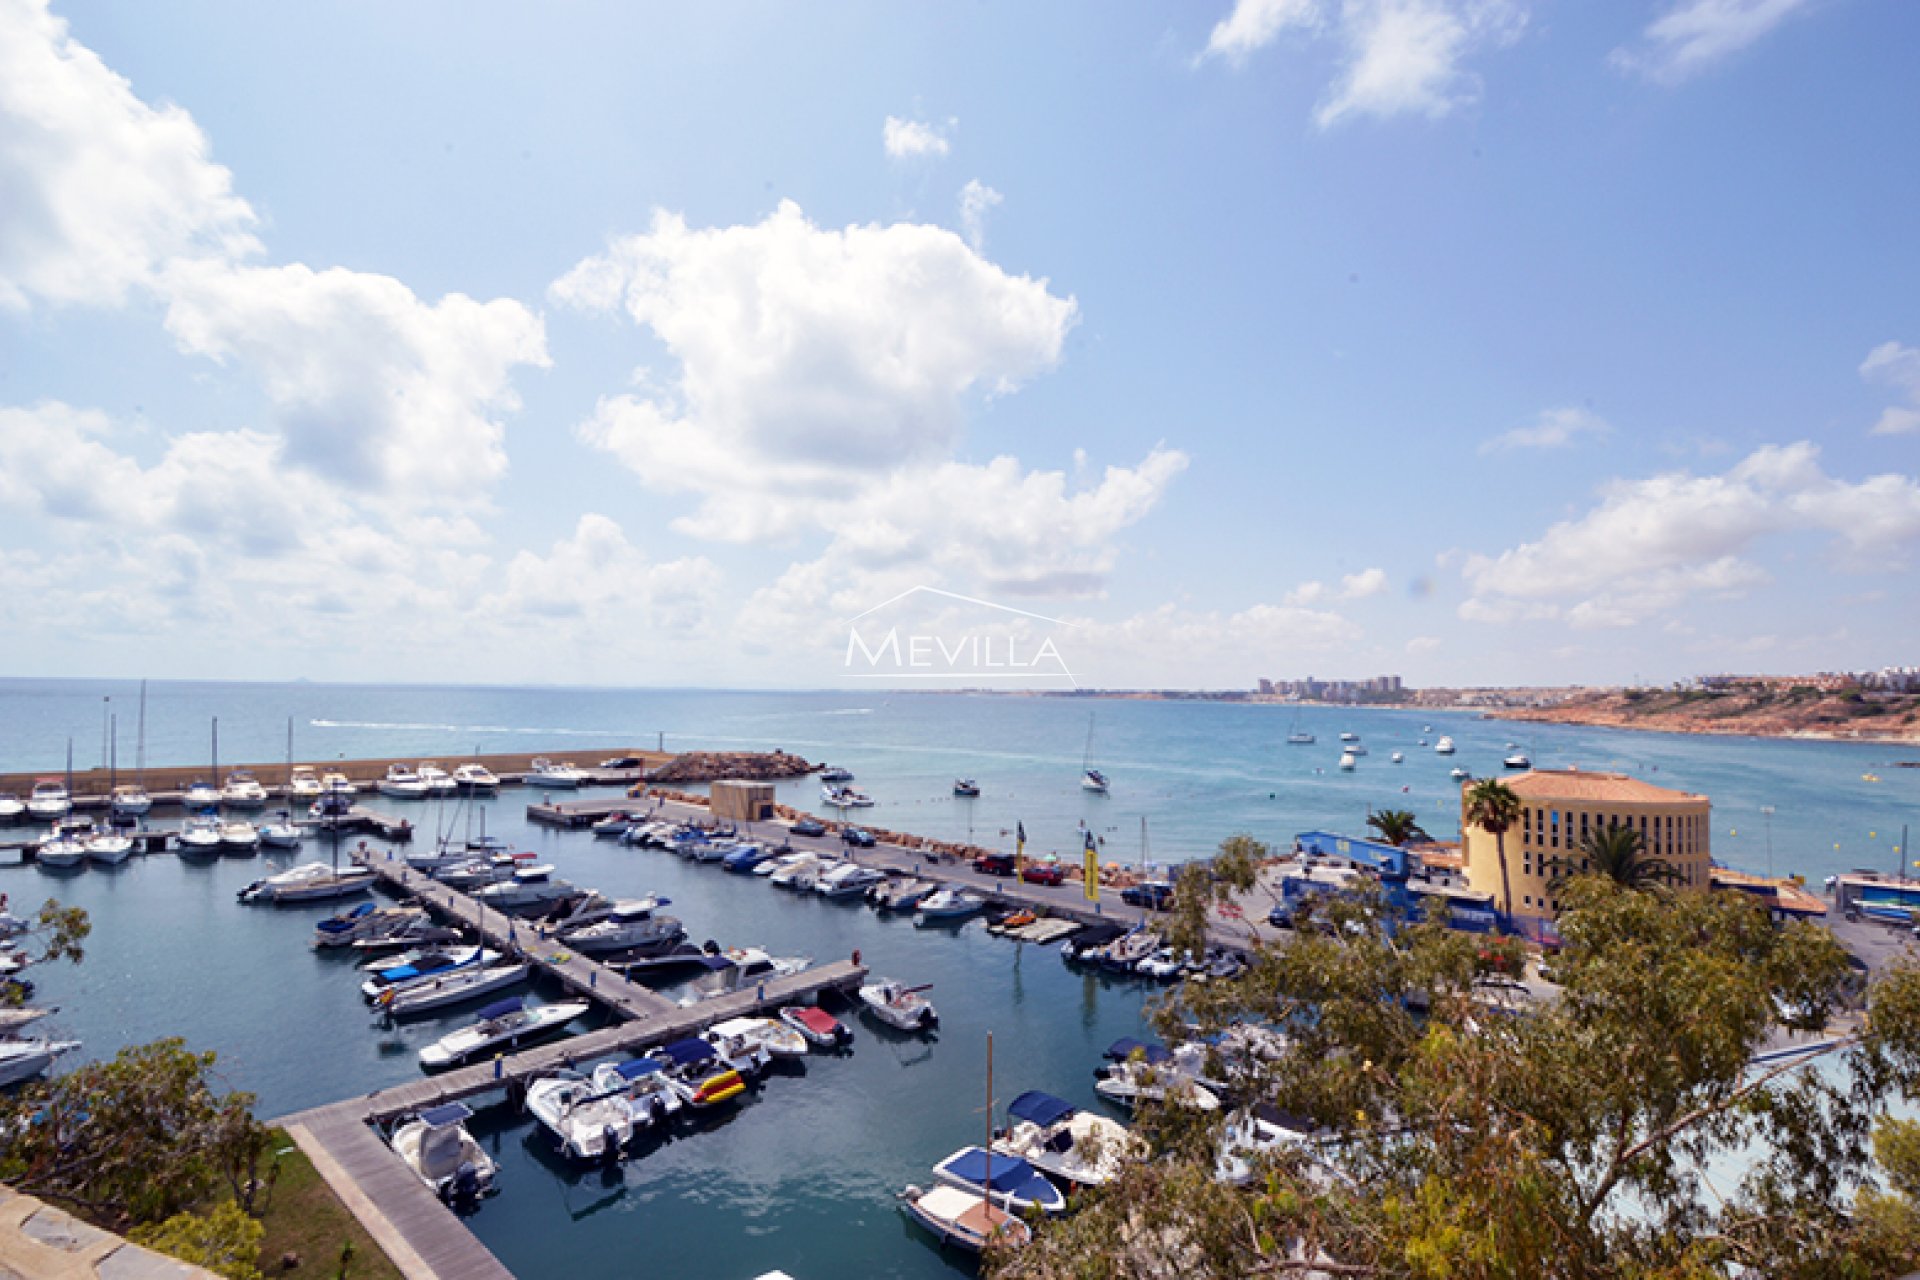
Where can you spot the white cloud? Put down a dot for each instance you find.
(100, 188)
(977, 199)
(1693, 34)
(1173, 647)
(372, 386)
(596, 580)
(1652, 543)
(1423, 644)
(1555, 429)
(1897, 367)
(1354, 586)
(1254, 24)
(913, 139)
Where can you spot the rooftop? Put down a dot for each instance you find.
(1580, 784)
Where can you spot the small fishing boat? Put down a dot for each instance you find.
(1015, 1184)
(775, 1038)
(1444, 747)
(644, 1086)
(402, 783)
(309, 882)
(12, 807)
(303, 784)
(964, 1218)
(435, 1144)
(1518, 760)
(698, 1075)
(545, 773)
(417, 968)
(49, 801)
(901, 1007)
(500, 1025)
(130, 800)
(947, 904)
(437, 781)
(588, 1124)
(243, 791)
(1065, 1142)
(820, 1029)
(966, 788)
(109, 848)
(453, 988)
(26, 1058)
(475, 777)
(239, 837)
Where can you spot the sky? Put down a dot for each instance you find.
(1478, 341)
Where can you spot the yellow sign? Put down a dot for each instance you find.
(1092, 874)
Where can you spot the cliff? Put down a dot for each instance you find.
(1797, 711)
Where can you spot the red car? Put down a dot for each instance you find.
(1043, 873)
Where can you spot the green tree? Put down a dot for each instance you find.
(60, 933)
(136, 1139)
(225, 1240)
(1397, 827)
(1620, 854)
(1572, 1144)
(1494, 808)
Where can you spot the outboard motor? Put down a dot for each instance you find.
(609, 1145)
(463, 1189)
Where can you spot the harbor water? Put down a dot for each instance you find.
(804, 1176)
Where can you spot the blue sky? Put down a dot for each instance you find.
(1486, 341)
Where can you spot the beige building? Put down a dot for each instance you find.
(737, 801)
(1559, 808)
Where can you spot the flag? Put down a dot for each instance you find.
(1092, 871)
(1020, 851)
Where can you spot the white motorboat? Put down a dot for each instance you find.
(243, 791)
(1349, 736)
(1251, 1134)
(475, 777)
(1300, 739)
(109, 848)
(1135, 1081)
(239, 837)
(436, 1145)
(899, 894)
(309, 882)
(1348, 762)
(49, 801)
(964, 1218)
(529, 889)
(282, 833)
(304, 784)
(739, 969)
(588, 1123)
(545, 773)
(802, 871)
(848, 880)
(836, 773)
(1518, 760)
(966, 789)
(419, 968)
(1444, 747)
(61, 852)
(947, 904)
(12, 807)
(130, 800)
(455, 988)
(335, 783)
(479, 871)
(816, 1026)
(25, 1058)
(402, 783)
(845, 797)
(1064, 1142)
(1357, 748)
(1459, 775)
(645, 1086)
(200, 835)
(698, 1076)
(1398, 757)
(777, 1038)
(365, 920)
(1095, 781)
(743, 1053)
(631, 922)
(437, 780)
(1016, 1185)
(901, 1007)
(200, 794)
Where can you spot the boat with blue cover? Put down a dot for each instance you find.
(1012, 1182)
(744, 859)
(699, 1076)
(588, 1123)
(1064, 1142)
(645, 1086)
(435, 1144)
(424, 966)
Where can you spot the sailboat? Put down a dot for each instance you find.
(130, 802)
(283, 832)
(1091, 778)
(1297, 737)
(972, 1205)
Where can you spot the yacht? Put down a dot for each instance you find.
(416, 969)
(282, 832)
(545, 773)
(436, 1145)
(12, 807)
(309, 882)
(1444, 747)
(1064, 1142)
(455, 988)
(947, 904)
(848, 880)
(530, 889)
(437, 780)
(834, 773)
(1398, 757)
(62, 851)
(1095, 781)
(335, 783)
(243, 791)
(1300, 739)
(739, 969)
(130, 800)
(23, 1059)
(645, 1086)
(1518, 760)
(239, 837)
(402, 783)
(503, 1024)
(589, 1125)
(304, 784)
(775, 1038)
(475, 777)
(966, 788)
(1458, 774)
(200, 835)
(200, 794)
(49, 801)
(846, 798)
(631, 922)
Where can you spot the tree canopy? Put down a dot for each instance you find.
(1619, 854)
(1628, 1130)
(1397, 826)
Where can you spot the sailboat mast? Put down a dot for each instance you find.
(140, 752)
(988, 1181)
(113, 753)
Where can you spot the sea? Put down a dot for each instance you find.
(804, 1177)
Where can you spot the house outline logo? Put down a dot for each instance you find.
(919, 656)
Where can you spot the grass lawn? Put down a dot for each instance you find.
(306, 1218)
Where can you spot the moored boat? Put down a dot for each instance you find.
(900, 1006)
(239, 837)
(966, 788)
(453, 988)
(109, 848)
(698, 1075)
(775, 1038)
(435, 1144)
(628, 923)
(309, 882)
(243, 791)
(402, 783)
(49, 800)
(199, 836)
(645, 1087)
(501, 1025)
(436, 780)
(946, 905)
(130, 800)
(820, 1029)
(422, 967)
(25, 1058)
(1013, 1183)
(475, 777)
(12, 807)
(964, 1218)
(1064, 1142)
(546, 773)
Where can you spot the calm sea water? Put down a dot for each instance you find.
(804, 1177)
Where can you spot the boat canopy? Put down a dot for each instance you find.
(1040, 1108)
(1096, 934)
(1126, 1046)
(716, 964)
(500, 1009)
(1009, 1172)
(683, 1053)
(446, 1115)
(818, 1019)
(636, 1068)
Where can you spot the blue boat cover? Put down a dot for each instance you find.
(635, 1068)
(1040, 1108)
(395, 975)
(718, 964)
(1126, 1046)
(685, 1052)
(499, 1009)
(445, 1114)
(1009, 1173)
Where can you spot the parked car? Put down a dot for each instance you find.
(1157, 894)
(994, 864)
(1281, 917)
(1043, 873)
(809, 827)
(858, 838)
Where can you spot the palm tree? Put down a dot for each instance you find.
(1493, 807)
(1398, 827)
(1620, 854)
